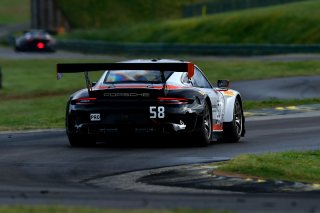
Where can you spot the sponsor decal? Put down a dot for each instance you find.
(146, 95)
(228, 93)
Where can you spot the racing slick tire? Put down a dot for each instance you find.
(232, 131)
(17, 49)
(203, 136)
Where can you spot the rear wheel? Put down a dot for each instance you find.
(203, 136)
(16, 48)
(232, 130)
(77, 140)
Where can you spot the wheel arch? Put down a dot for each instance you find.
(229, 106)
(205, 100)
(243, 117)
(208, 101)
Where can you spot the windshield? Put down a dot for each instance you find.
(135, 76)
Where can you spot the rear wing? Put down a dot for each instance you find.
(89, 67)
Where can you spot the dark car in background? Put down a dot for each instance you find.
(35, 40)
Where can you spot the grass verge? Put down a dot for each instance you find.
(273, 103)
(33, 113)
(291, 166)
(293, 23)
(14, 11)
(33, 78)
(237, 70)
(32, 98)
(103, 14)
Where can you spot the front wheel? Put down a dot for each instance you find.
(232, 131)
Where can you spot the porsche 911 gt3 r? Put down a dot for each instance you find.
(154, 97)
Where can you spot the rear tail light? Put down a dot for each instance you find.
(172, 100)
(84, 101)
(40, 45)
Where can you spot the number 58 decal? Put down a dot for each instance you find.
(157, 112)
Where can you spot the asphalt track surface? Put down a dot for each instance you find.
(40, 168)
(286, 88)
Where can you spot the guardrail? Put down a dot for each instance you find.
(101, 47)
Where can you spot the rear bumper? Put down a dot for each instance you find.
(122, 125)
(123, 130)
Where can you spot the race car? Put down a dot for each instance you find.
(151, 97)
(35, 40)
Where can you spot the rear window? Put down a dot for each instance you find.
(135, 76)
(41, 34)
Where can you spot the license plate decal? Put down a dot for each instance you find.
(95, 117)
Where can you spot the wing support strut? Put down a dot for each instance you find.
(88, 82)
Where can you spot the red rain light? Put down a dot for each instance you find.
(40, 45)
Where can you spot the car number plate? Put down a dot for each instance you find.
(95, 117)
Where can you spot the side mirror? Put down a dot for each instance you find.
(93, 84)
(223, 84)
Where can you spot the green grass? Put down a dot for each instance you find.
(32, 98)
(237, 70)
(294, 23)
(250, 105)
(34, 78)
(33, 113)
(14, 11)
(59, 209)
(25, 79)
(103, 14)
(291, 166)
